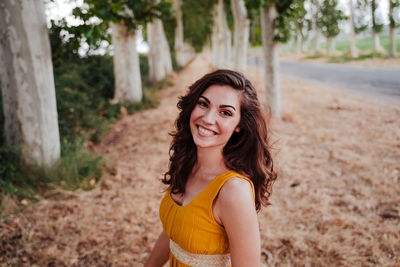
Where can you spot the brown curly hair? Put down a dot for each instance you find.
(247, 151)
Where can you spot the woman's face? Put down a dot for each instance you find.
(215, 116)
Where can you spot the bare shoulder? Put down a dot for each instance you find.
(236, 190)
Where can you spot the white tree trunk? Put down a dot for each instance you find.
(297, 44)
(314, 29)
(240, 35)
(220, 38)
(29, 100)
(271, 58)
(184, 52)
(353, 48)
(376, 42)
(128, 83)
(160, 64)
(392, 42)
(331, 46)
(301, 43)
(179, 26)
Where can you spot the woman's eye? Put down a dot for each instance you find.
(226, 113)
(201, 103)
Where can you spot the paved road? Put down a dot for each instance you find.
(377, 83)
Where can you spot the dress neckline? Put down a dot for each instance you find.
(199, 194)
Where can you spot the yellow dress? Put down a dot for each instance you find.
(193, 226)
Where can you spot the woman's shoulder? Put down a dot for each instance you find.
(236, 190)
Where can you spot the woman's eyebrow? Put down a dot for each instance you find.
(227, 106)
(221, 106)
(206, 99)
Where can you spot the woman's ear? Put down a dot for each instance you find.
(237, 129)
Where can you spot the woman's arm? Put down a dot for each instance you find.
(235, 210)
(160, 253)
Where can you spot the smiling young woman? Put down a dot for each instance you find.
(220, 174)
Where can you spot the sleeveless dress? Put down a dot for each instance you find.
(193, 226)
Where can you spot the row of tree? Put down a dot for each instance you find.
(326, 18)
(26, 70)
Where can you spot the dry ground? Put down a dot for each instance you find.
(336, 201)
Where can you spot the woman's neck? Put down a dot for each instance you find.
(210, 161)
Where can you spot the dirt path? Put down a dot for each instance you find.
(337, 200)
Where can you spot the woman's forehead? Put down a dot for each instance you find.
(222, 94)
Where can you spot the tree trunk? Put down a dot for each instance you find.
(240, 35)
(29, 99)
(297, 43)
(331, 46)
(183, 51)
(392, 42)
(392, 26)
(221, 38)
(376, 42)
(271, 58)
(314, 29)
(301, 43)
(353, 48)
(128, 83)
(376, 45)
(160, 64)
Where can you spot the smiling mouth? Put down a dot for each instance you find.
(205, 132)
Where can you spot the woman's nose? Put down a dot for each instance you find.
(209, 116)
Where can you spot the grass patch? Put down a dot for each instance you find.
(315, 56)
(346, 58)
(364, 44)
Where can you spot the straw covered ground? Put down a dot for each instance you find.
(336, 201)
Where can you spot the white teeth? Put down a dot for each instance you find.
(205, 131)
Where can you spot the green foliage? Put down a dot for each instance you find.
(392, 5)
(131, 13)
(361, 16)
(197, 22)
(329, 18)
(96, 15)
(299, 17)
(286, 11)
(76, 169)
(255, 28)
(229, 15)
(377, 27)
(83, 87)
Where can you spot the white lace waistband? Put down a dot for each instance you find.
(199, 260)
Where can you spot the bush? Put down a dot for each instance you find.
(84, 90)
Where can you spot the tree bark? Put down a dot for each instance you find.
(220, 38)
(160, 64)
(376, 45)
(29, 99)
(392, 42)
(376, 42)
(353, 48)
(392, 31)
(271, 58)
(128, 83)
(331, 46)
(184, 52)
(240, 35)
